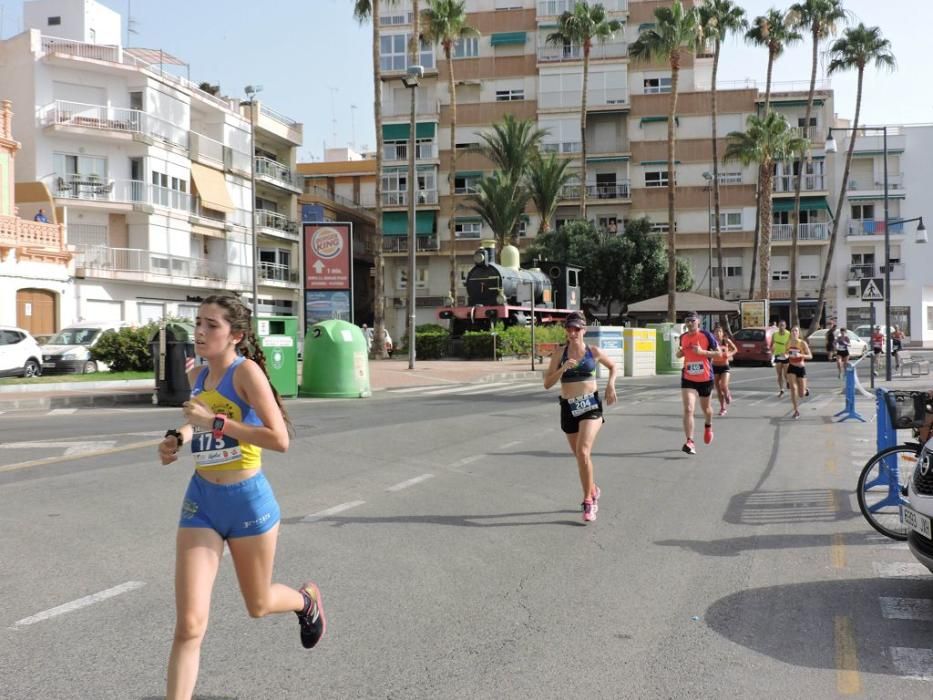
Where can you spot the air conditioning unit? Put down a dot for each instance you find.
(853, 290)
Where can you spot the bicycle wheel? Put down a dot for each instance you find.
(880, 486)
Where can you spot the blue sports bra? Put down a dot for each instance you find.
(585, 369)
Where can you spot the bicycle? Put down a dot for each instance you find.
(883, 481)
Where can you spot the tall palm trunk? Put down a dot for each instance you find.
(795, 236)
(451, 174)
(378, 349)
(764, 262)
(756, 241)
(722, 318)
(586, 77)
(821, 299)
(671, 253)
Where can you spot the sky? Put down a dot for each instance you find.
(314, 60)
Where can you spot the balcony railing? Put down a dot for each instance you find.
(423, 151)
(618, 190)
(278, 116)
(145, 262)
(596, 97)
(787, 183)
(898, 271)
(399, 244)
(857, 272)
(562, 147)
(363, 207)
(895, 182)
(570, 191)
(116, 119)
(21, 233)
(274, 220)
(552, 8)
(808, 232)
(560, 54)
(121, 191)
(277, 272)
(394, 198)
(277, 172)
(869, 227)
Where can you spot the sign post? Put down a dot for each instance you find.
(872, 291)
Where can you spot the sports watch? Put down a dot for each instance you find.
(175, 434)
(217, 427)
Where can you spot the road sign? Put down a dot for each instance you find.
(872, 288)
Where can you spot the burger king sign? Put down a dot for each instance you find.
(327, 256)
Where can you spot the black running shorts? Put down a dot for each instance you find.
(704, 389)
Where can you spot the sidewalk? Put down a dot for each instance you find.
(386, 374)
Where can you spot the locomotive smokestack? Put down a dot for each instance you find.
(489, 246)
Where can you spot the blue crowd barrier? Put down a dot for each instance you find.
(849, 411)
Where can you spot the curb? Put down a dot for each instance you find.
(77, 401)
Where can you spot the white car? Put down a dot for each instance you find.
(918, 516)
(69, 350)
(20, 355)
(817, 343)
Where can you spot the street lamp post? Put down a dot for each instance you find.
(921, 232)
(411, 80)
(709, 227)
(251, 91)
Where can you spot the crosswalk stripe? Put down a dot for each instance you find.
(410, 482)
(916, 664)
(907, 608)
(79, 603)
(460, 389)
(412, 389)
(331, 511)
(900, 570)
(62, 411)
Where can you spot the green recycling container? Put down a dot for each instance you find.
(278, 338)
(666, 360)
(335, 363)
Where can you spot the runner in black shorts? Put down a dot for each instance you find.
(798, 352)
(721, 368)
(696, 347)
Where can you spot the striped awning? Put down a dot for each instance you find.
(503, 38)
(806, 204)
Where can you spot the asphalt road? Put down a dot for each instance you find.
(444, 529)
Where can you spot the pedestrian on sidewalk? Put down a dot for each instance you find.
(721, 368)
(697, 346)
(234, 412)
(798, 352)
(581, 411)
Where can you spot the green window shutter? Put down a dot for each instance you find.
(395, 132)
(394, 223)
(424, 223)
(503, 38)
(657, 162)
(468, 173)
(425, 130)
(806, 204)
(660, 118)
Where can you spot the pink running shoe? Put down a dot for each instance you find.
(596, 494)
(722, 411)
(708, 434)
(589, 511)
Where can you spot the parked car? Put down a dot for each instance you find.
(43, 338)
(20, 355)
(69, 350)
(864, 332)
(752, 346)
(817, 343)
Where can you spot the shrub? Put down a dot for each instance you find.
(431, 345)
(126, 350)
(477, 345)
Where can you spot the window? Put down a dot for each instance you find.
(523, 228)
(55, 21)
(421, 278)
(801, 123)
(731, 178)
(864, 212)
(660, 227)
(510, 95)
(732, 266)
(468, 229)
(467, 47)
(863, 259)
(655, 86)
(728, 220)
(466, 184)
(393, 52)
(780, 268)
(656, 178)
(395, 150)
(609, 224)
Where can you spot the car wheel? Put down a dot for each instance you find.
(89, 367)
(32, 369)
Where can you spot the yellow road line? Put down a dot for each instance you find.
(837, 552)
(848, 681)
(83, 455)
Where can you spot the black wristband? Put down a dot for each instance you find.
(177, 435)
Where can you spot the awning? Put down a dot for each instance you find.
(208, 231)
(791, 103)
(900, 194)
(399, 132)
(648, 120)
(806, 203)
(212, 188)
(469, 173)
(607, 159)
(656, 162)
(503, 38)
(395, 223)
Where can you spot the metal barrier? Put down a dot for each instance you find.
(849, 411)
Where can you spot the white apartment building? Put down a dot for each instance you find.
(148, 172)
(511, 69)
(860, 247)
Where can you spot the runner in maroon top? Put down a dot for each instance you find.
(696, 347)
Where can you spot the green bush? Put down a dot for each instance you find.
(431, 345)
(477, 345)
(126, 350)
(514, 340)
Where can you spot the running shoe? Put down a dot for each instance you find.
(796, 415)
(728, 397)
(589, 511)
(707, 434)
(780, 393)
(722, 411)
(807, 392)
(311, 619)
(689, 447)
(596, 494)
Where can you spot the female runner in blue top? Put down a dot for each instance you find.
(234, 413)
(581, 411)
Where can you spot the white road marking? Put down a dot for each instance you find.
(467, 460)
(90, 447)
(412, 389)
(900, 570)
(62, 411)
(79, 603)
(907, 608)
(331, 511)
(916, 664)
(410, 482)
(510, 444)
(463, 389)
(59, 444)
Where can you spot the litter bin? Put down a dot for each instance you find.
(278, 338)
(172, 355)
(666, 358)
(335, 363)
(609, 340)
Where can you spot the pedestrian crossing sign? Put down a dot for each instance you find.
(872, 288)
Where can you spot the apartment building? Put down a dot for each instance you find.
(35, 266)
(860, 249)
(149, 173)
(510, 69)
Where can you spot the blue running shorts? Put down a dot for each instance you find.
(243, 509)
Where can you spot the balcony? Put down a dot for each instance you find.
(597, 97)
(275, 224)
(277, 174)
(425, 106)
(563, 147)
(808, 232)
(277, 275)
(146, 266)
(898, 271)
(566, 54)
(866, 187)
(33, 239)
(399, 244)
(134, 192)
(857, 272)
(282, 126)
(869, 227)
(396, 198)
(555, 8)
(115, 120)
(399, 152)
(617, 190)
(787, 183)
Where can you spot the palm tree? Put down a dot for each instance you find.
(584, 25)
(677, 33)
(545, 179)
(512, 144)
(766, 140)
(857, 48)
(500, 202)
(821, 18)
(775, 32)
(445, 23)
(720, 18)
